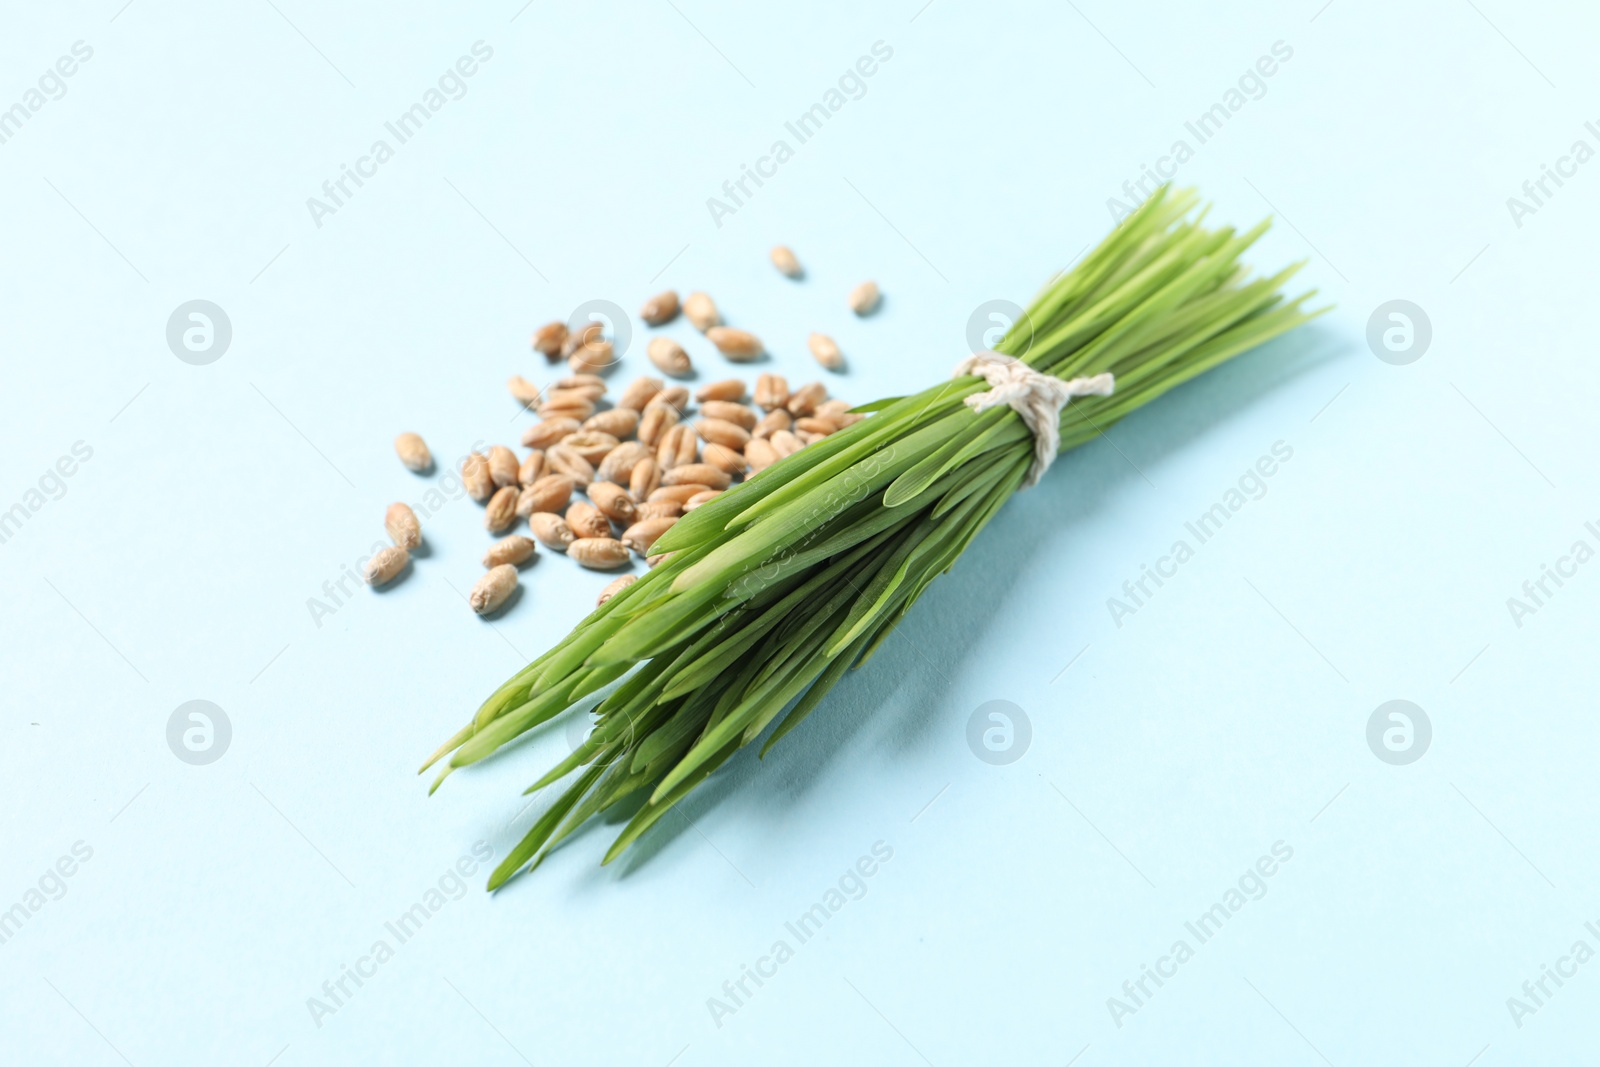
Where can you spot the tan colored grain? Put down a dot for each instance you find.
(772, 391)
(786, 443)
(722, 432)
(531, 468)
(640, 392)
(661, 308)
(386, 565)
(773, 421)
(599, 553)
(657, 419)
(493, 589)
(678, 446)
(616, 587)
(476, 478)
(726, 389)
(593, 358)
(676, 494)
(503, 466)
(501, 514)
(661, 509)
(741, 346)
(590, 385)
(725, 459)
(551, 530)
(566, 404)
(549, 493)
(644, 480)
(864, 298)
(817, 424)
(549, 432)
(738, 414)
(804, 400)
(760, 455)
(701, 311)
(592, 445)
(677, 396)
(513, 550)
(563, 460)
(522, 391)
(701, 498)
(587, 520)
(591, 334)
(619, 463)
(549, 338)
(697, 473)
(413, 452)
(613, 501)
(785, 260)
(641, 535)
(669, 357)
(404, 529)
(826, 351)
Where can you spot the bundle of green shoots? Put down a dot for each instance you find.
(770, 592)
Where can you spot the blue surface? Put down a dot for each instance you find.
(1223, 721)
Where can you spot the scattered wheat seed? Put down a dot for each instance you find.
(826, 351)
(551, 530)
(532, 467)
(773, 421)
(864, 298)
(493, 589)
(804, 400)
(549, 493)
(592, 445)
(738, 414)
(476, 478)
(616, 586)
(640, 392)
(404, 529)
(386, 565)
(726, 389)
(513, 550)
(669, 356)
(599, 553)
(701, 311)
(641, 535)
(697, 473)
(548, 340)
(784, 259)
(587, 520)
(549, 432)
(503, 466)
(661, 308)
(613, 502)
(741, 346)
(413, 452)
(722, 432)
(501, 514)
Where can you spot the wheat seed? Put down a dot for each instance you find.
(413, 452)
(404, 529)
(386, 565)
(661, 308)
(599, 553)
(493, 589)
(513, 550)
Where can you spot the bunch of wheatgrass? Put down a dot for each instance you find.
(773, 590)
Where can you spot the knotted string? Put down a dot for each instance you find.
(1035, 396)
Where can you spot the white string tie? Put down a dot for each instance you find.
(1035, 396)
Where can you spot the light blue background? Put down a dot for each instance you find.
(1226, 715)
